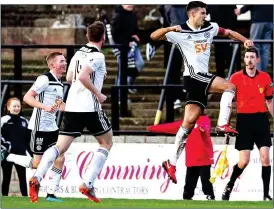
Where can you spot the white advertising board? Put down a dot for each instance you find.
(134, 171)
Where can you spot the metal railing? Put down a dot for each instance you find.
(6, 89)
(118, 110)
(17, 49)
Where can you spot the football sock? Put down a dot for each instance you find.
(54, 180)
(266, 173)
(48, 158)
(96, 165)
(235, 174)
(225, 107)
(180, 141)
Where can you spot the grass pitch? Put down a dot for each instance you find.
(23, 202)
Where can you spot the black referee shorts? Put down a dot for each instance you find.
(253, 129)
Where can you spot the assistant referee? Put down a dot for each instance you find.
(254, 95)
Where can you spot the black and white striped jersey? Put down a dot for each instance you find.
(49, 90)
(194, 46)
(80, 99)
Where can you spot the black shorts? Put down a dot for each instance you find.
(197, 86)
(252, 128)
(73, 123)
(40, 141)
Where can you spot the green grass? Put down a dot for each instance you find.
(23, 202)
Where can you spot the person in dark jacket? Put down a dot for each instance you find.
(124, 29)
(199, 159)
(14, 131)
(261, 29)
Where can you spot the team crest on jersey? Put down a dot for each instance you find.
(261, 90)
(207, 34)
(24, 124)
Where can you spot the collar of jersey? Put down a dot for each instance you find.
(54, 76)
(194, 29)
(91, 45)
(245, 73)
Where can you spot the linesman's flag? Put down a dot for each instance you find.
(222, 163)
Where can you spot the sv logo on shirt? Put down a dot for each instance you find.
(201, 47)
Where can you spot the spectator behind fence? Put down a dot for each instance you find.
(223, 51)
(125, 31)
(14, 130)
(261, 29)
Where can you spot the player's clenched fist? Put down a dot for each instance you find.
(101, 98)
(49, 108)
(176, 28)
(248, 43)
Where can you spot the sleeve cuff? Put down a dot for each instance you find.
(268, 97)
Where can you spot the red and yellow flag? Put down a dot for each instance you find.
(220, 167)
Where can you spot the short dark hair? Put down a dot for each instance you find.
(95, 31)
(52, 56)
(195, 4)
(252, 49)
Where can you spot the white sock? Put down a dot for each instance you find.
(23, 160)
(180, 141)
(33, 171)
(54, 180)
(225, 107)
(96, 166)
(48, 158)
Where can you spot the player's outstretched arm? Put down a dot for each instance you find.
(235, 36)
(159, 34)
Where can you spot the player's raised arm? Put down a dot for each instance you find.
(159, 34)
(235, 36)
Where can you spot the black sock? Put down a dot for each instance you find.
(266, 172)
(235, 174)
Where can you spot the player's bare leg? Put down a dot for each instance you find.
(192, 113)
(36, 160)
(220, 85)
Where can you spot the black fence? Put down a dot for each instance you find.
(119, 107)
